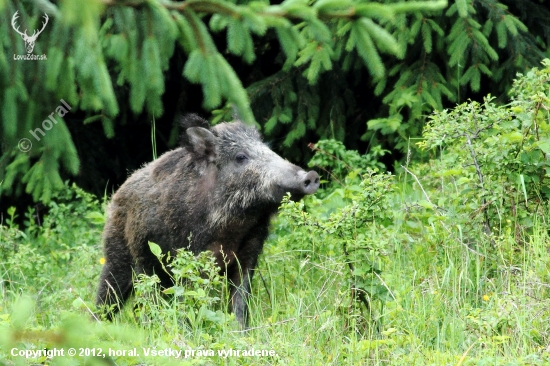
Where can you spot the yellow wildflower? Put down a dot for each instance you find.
(102, 260)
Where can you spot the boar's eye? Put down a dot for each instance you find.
(241, 158)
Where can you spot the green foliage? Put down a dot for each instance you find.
(484, 42)
(344, 165)
(493, 159)
(68, 236)
(348, 225)
(91, 342)
(195, 300)
(441, 57)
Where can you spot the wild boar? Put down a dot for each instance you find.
(216, 192)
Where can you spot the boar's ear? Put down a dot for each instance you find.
(202, 143)
(187, 121)
(192, 120)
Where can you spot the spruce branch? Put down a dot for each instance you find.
(301, 12)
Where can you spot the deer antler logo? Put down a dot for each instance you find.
(29, 40)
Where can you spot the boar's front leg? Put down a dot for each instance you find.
(240, 290)
(240, 273)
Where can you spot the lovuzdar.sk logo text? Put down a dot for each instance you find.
(29, 40)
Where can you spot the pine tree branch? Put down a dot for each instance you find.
(203, 6)
(215, 7)
(197, 32)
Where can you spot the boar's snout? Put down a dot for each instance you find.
(310, 182)
(298, 183)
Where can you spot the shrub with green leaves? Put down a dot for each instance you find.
(352, 232)
(343, 166)
(195, 300)
(35, 257)
(492, 159)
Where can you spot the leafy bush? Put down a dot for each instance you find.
(348, 224)
(344, 166)
(493, 159)
(35, 257)
(196, 298)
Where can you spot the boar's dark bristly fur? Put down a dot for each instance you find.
(216, 192)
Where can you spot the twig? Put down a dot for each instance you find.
(267, 290)
(487, 223)
(417, 181)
